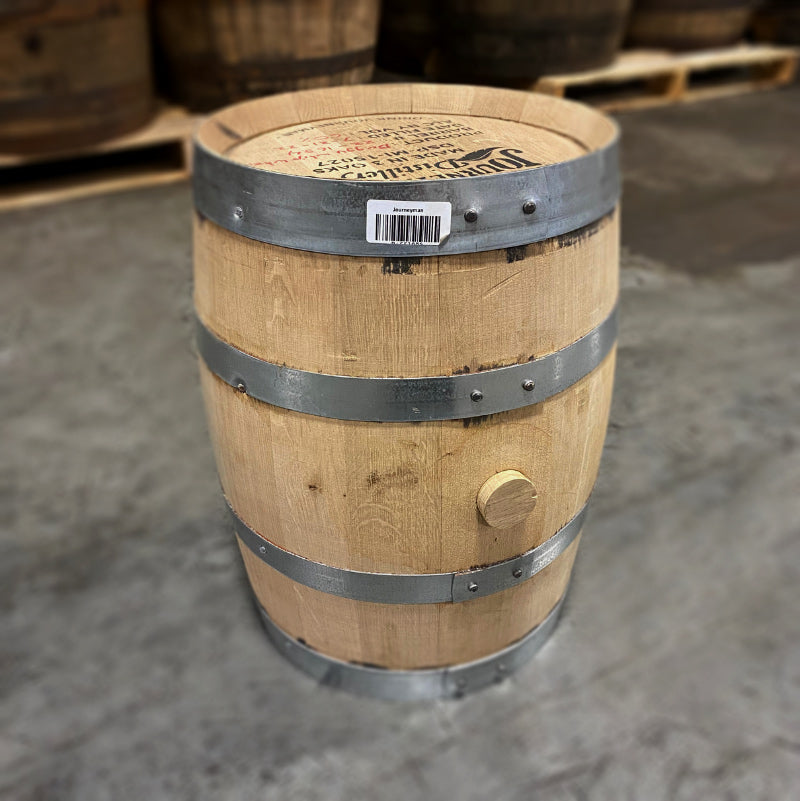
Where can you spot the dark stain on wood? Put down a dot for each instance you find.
(462, 370)
(476, 421)
(398, 265)
(400, 477)
(493, 366)
(33, 43)
(229, 132)
(580, 235)
(516, 254)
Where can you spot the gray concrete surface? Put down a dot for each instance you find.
(133, 665)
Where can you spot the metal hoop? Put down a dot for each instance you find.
(329, 216)
(407, 685)
(411, 588)
(408, 399)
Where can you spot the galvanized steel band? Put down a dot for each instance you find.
(329, 216)
(408, 399)
(405, 685)
(411, 588)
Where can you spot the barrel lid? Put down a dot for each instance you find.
(405, 146)
(405, 169)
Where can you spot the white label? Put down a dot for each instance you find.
(403, 222)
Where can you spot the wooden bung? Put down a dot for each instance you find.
(436, 493)
(505, 499)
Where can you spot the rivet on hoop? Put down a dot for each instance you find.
(471, 215)
(472, 586)
(476, 395)
(528, 385)
(529, 207)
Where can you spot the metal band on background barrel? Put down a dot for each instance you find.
(407, 685)
(411, 588)
(408, 399)
(329, 216)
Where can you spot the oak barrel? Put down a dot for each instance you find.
(408, 36)
(778, 21)
(221, 51)
(72, 72)
(689, 24)
(406, 299)
(511, 41)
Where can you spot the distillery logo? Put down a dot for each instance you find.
(485, 162)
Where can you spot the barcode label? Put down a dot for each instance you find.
(400, 222)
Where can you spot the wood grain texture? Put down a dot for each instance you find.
(506, 499)
(397, 147)
(232, 125)
(72, 73)
(401, 497)
(221, 51)
(397, 497)
(437, 315)
(404, 636)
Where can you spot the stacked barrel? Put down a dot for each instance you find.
(689, 24)
(72, 72)
(222, 51)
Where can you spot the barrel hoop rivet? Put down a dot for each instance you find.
(329, 216)
(452, 682)
(410, 588)
(408, 399)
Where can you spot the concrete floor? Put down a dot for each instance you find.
(133, 665)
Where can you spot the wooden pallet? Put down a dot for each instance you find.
(647, 78)
(159, 153)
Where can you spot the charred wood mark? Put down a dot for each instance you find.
(516, 254)
(398, 265)
(477, 421)
(580, 235)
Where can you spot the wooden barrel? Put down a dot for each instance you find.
(72, 72)
(406, 299)
(778, 21)
(408, 36)
(688, 24)
(221, 51)
(511, 41)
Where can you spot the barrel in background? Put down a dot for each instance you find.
(72, 72)
(778, 21)
(408, 36)
(407, 434)
(689, 24)
(510, 41)
(221, 51)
